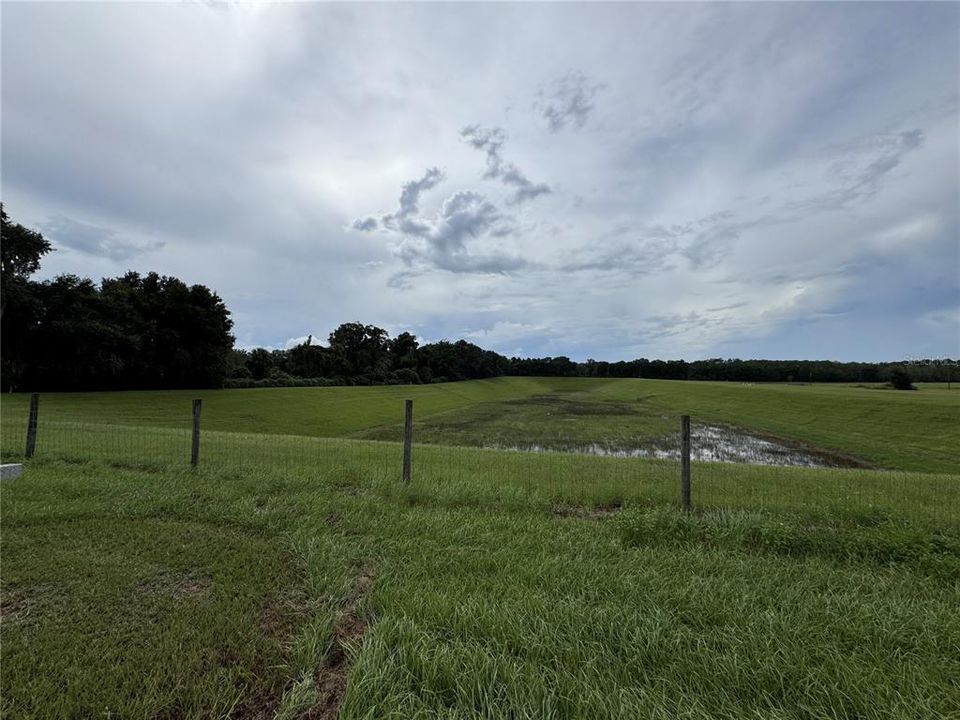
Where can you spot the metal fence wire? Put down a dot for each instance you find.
(697, 467)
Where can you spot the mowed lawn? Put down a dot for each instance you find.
(321, 412)
(905, 430)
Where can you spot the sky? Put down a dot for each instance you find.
(604, 181)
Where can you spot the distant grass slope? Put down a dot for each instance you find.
(917, 431)
(327, 412)
(906, 430)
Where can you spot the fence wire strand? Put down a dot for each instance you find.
(563, 476)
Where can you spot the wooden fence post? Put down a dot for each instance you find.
(685, 462)
(195, 445)
(32, 425)
(407, 439)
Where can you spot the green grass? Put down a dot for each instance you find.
(556, 421)
(292, 571)
(328, 412)
(916, 431)
(894, 429)
(151, 591)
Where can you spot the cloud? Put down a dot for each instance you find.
(856, 170)
(404, 218)
(464, 216)
(410, 194)
(743, 150)
(94, 240)
(506, 333)
(367, 224)
(635, 256)
(526, 190)
(441, 242)
(491, 141)
(909, 232)
(568, 101)
(295, 341)
(708, 248)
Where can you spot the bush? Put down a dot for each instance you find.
(901, 380)
(406, 376)
(279, 381)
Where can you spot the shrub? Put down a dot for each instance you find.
(901, 380)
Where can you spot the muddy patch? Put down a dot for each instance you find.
(278, 617)
(348, 630)
(178, 585)
(18, 603)
(262, 706)
(715, 443)
(577, 512)
(553, 405)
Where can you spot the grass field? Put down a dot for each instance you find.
(917, 431)
(267, 592)
(293, 575)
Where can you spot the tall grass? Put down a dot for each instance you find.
(147, 588)
(476, 476)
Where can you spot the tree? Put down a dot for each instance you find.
(260, 362)
(403, 351)
(901, 380)
(359, 349)
(127, 332)
(20, 252)
(308, 360)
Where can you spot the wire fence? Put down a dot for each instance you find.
(568, 477)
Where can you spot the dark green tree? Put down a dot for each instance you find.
(359, 350)
(901, 380)
(21, 250)
(403, 351)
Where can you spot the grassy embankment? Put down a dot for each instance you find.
(916, 431)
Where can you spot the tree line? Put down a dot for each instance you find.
(358, 354)
(152, 331)
(133, 331)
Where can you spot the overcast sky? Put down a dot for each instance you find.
(609, 181)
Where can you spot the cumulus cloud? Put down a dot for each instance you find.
(491, 141)
(743, 152)
(405, 217)
(464, 216)
(410, 194)
(568, 101)
(442, 241)
(367, 224)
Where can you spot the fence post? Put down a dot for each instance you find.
(407, 439)
(685, 462)
(195, 445)
(32, 425)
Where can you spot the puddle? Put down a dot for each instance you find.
(712, 443)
